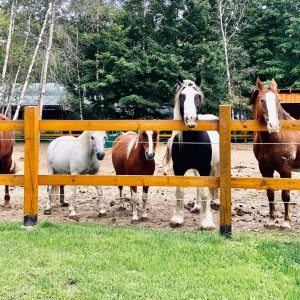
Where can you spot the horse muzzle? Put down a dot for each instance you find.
(191, 122)
(100, 155)
(149, 156)
(273, 128)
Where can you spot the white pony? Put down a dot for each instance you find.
(71, 155)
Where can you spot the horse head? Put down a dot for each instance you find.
(188, 101)
(149, 140)
(268, 105)
(98, 139)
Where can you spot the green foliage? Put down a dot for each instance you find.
(77, 261)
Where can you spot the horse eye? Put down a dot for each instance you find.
(262, 100)
(92, 137)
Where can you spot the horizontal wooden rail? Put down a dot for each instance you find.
(11, 179)
(11, 125)
(253, 125)
(114, 125)
(124, 180)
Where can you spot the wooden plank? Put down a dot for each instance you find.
(252, 125)
(11, 125)
(31, 117)
(12, 179)
(265, 183)
(124, 125)
(112, 180)
(225, 170)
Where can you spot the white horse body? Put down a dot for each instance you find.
(76, 156)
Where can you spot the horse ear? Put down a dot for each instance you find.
(198, 80)
(274, 83)
(259, 84)
(179, 79)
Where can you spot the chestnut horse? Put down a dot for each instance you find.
(133, 154)
(275, 150)
(7, 165)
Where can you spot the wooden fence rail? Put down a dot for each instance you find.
(31, 180)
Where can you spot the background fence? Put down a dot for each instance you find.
(32, 127)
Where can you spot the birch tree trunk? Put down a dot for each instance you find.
(9, 102)
(8, 44)
(21, 98)
(46, 61)
(231, 13)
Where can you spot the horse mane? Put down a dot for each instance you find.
(132, 144)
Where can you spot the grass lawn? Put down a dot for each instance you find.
(75, 261)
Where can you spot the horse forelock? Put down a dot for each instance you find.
(132, 145)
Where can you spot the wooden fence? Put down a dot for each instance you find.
(31, 179)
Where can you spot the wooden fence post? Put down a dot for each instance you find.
(31, 132)
(225, 169)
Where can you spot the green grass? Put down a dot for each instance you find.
(75, 261)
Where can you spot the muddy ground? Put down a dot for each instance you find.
(250, 207)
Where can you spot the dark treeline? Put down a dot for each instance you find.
(124, 56)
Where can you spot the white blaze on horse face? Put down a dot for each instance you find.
(150, 151)
(98, 139)
(273, 122)
(190, 110)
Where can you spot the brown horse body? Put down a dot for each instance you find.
(6, 163)
(131, 156)
(275, 150)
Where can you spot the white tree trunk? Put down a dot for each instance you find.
(46, 61)
(8, 44)
(9, 102)
(21, 98)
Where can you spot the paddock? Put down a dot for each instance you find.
(233, 187)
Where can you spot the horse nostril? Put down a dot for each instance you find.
(100, 155)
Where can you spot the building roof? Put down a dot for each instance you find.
(55, 94)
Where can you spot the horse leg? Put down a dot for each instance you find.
(6, 198)
(101, 207)
(197, 205)
(145, 198)
(178, 215)
(214, 192)
(62, 196)
(206, 218)
(52, 194)
(134, 201)
(269, 172)
(72, 212)
(285, 196)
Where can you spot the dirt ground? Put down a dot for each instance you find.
(250, 207)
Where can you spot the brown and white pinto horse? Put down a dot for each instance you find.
(274, 150)
(133, 154)
(7, 166)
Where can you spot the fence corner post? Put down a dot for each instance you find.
(225, 169)
(31, 134)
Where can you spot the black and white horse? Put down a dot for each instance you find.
(193, 150)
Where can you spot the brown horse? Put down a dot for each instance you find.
(274, 150)
(7, 165)
(133, 154)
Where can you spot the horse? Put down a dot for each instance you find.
(71, 155)
(133, 154)
(7, 165)
(195, 150)
(274, 150)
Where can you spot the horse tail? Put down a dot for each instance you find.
(167, 156)
(13, 167)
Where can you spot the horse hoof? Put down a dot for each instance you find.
(176, 221)
(134, 221)
(74, 217)
(270, 225)
(101, 214)
(47, 212)
(195, 209)
(144, 218)
(7, 206)
(285, 225)
(208, 226)
(65, 204)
